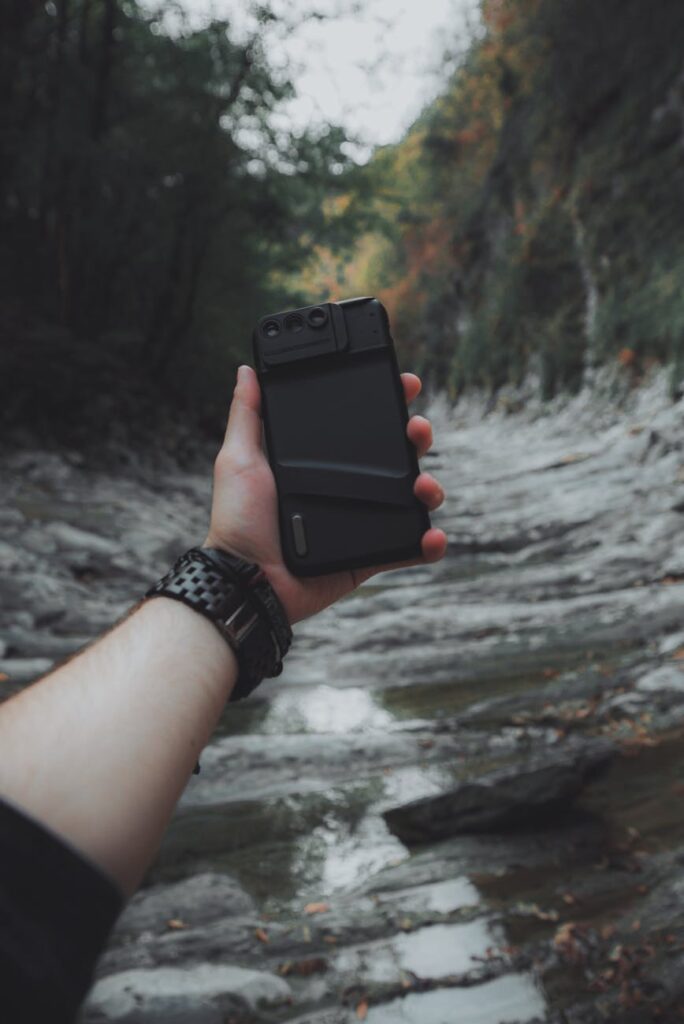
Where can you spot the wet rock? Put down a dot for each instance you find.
(39, 643)
(36, 540)
(226, 940)
(205, 992)
(10, 517)
(194, 901)
(506, 798)
(25, 670)
(665, 677)
(71, 538)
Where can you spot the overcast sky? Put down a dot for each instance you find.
(374, 70)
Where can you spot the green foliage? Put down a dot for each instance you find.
(550, 171)
(147, 202)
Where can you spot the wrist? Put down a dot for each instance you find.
(236, 598)
(215, 664)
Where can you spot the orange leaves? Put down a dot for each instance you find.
(303, 968)
(316, 908)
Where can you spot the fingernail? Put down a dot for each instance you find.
(241, 371)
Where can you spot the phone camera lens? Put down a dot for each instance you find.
(294, 322)
(317, 317)
(271, 328)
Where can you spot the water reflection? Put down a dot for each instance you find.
(443, 897)
(434, 952)
(325, 709)
(514, 997)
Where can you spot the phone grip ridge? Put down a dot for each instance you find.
(326, 482)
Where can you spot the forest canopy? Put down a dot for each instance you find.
(150, 207)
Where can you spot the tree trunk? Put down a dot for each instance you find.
(104, 71)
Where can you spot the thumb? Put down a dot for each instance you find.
(243, 433)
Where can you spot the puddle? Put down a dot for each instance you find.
(443, 897)
(643, 793)
(436, 700)
(434, 952)
(325, 709)
(514, 997)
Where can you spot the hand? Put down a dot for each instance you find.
(244, 514)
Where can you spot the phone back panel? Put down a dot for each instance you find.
(335, 426)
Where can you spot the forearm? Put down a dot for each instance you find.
(117, 733)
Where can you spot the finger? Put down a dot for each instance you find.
(243, 433)
(433, 545)
(412, 386)
(429, 491)
(419, 432)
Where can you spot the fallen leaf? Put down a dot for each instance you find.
(569, 898)
(175, 924)
(261, 934)
(636, 926)
(534, 910)
(304, 968)
(3, 677)
(678, 655)
(330, 939)
(362, 1009)
(316, 908)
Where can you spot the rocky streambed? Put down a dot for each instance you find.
(462, 801)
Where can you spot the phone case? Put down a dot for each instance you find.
(335, 427)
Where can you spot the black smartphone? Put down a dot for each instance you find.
(335, 426)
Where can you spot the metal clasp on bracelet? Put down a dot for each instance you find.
(236, 629)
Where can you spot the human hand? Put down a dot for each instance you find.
(244, 514)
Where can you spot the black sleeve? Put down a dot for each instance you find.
(56, 912)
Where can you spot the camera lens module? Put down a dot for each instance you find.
(317, 317)
(294, 322)
(271, 328)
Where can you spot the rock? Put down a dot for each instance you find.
(71, 538)
(40, 643)
(36, 540)
(665, 677)
(504, 799)
(671, 643)
(11, 556)
(205, 992)
(10, 517)
(25, 670)
(195, 901)
(23, 619)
